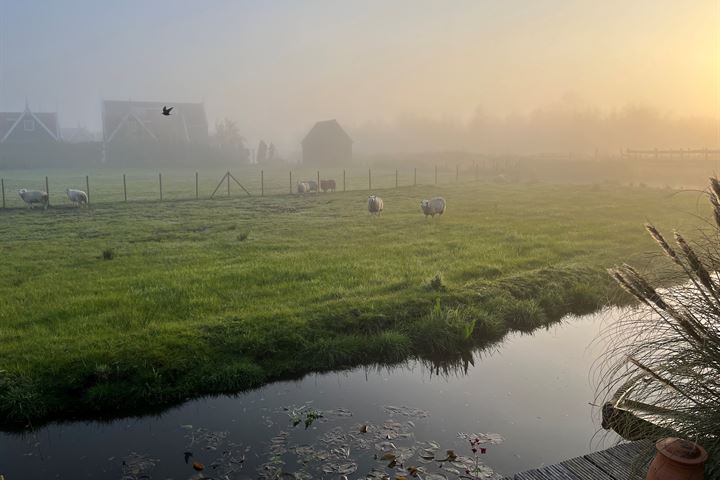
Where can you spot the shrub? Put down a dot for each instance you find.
(673, 341)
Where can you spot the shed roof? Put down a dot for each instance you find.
(326, 129)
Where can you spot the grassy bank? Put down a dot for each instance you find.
(122, 307)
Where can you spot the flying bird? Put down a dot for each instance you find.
(166, 110)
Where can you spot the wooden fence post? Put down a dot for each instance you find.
(318, 182)
(415, 177)
(160, 181)
(343, 179)
(87, 187)
(2, 188)
(197, 189)
(228, 183)
(124, 188)
(47, 189)
(396, 178)
(369, 179)
(291, 182)
(435, 174)
(262, 183)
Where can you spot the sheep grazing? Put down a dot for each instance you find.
(326, 185)
(303, 187)
(375, 204)
(31, 197)
(312, 185)
(77, 197)
(434, 206)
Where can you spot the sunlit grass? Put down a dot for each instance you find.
(214, 296)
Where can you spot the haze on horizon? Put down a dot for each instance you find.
(400, 76)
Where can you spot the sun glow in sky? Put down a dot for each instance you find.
(277, 66)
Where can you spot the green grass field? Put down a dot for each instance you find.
(143, 184)
(123, 307)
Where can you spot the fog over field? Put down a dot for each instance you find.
(408, 76)
(359, 239)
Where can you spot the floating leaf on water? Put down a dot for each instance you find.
(340, 468)
(136, 466)
(434, 476)
(414, 471)
(198, 466)
(406, 411)
(405, 453)
(482, 438)
(482, 471)
(385, 446)
(388, 456)
(364, 429)
(347, 468)
(341, 452)
(377, 475)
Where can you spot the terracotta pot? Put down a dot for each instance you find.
(677, 459)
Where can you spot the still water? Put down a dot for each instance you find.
(533, 390)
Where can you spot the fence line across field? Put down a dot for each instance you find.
(138, 186)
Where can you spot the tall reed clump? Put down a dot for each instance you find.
(672, 342)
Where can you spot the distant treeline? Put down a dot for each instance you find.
(76, 155)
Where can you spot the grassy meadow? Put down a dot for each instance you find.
(122, 307)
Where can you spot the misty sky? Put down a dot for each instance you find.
(277, 66)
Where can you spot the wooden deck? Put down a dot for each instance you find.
(622, 462)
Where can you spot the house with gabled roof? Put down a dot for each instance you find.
(326, 144)
(141, 122)
(78, 134)
(28, 127)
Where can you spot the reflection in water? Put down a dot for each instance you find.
(533, 390)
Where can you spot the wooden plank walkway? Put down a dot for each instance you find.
(627, 461)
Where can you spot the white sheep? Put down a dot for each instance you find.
(303, 187)
(31, 197)
(77, 197)
(432, 207)
(375, 204)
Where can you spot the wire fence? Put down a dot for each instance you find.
(108, 186)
